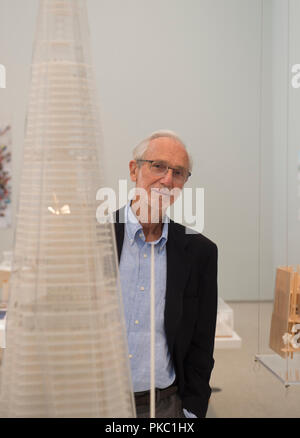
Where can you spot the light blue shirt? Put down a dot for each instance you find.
(135, 278)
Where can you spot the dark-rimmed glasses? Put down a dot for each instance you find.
(160, 168)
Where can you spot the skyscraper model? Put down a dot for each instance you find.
(66, 352)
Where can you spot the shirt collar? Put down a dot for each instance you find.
(135, 230)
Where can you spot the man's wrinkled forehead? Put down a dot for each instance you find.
(166, 149)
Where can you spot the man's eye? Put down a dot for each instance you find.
(177, 172)
(159, 166)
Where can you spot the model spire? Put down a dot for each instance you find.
(66, 352)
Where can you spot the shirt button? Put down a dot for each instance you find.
(142, 288)
(136, 321)
(145, 256)
(130, 356)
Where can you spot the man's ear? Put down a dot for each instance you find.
(133, 169)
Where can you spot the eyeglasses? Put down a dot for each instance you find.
(160, 168)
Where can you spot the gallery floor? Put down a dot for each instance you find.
(242, 387)
(248, 389)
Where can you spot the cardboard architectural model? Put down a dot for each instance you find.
(285, 324)
(66, 351)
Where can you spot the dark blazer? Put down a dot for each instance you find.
(190, 310)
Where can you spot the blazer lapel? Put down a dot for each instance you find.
(178, 270)
(119, 229)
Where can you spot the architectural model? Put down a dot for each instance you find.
(225, 336)
(5, 176)
(224, 326)
(66, 351)
(285, 325)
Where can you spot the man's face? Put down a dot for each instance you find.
(169, 151)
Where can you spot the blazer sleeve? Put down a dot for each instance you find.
(199, 362)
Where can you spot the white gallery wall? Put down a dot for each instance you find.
(204, 68)
(285, 149)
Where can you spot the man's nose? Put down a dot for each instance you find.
(167, 179)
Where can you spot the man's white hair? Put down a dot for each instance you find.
(140, 150)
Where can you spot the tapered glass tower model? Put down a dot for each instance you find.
(66, 352)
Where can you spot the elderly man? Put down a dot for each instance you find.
(185, 286)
